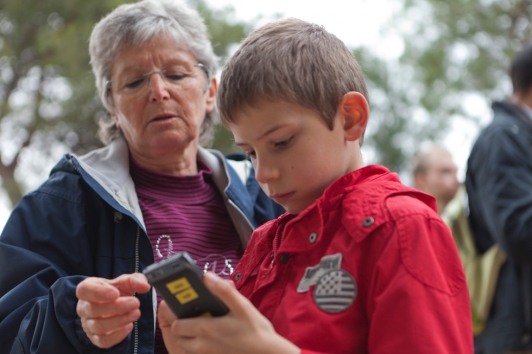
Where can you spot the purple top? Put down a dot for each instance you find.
(187, 213)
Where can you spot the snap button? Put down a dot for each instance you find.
(284, 258)
(238, 275)
(368, 222)
(313, 237)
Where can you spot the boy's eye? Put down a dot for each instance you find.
(251, 154)
(284, 143)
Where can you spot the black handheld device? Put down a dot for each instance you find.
(180, 283)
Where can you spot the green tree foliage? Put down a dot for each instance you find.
(453, 50)
(48, 102)
(43, 60)
(226, 34)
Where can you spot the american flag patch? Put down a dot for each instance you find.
(335, 291)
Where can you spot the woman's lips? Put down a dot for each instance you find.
(161, 118)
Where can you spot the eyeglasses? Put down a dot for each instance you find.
(173, 78)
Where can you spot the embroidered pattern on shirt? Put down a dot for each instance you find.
(169, 249)
(313, 274)
(214, 262)
(335, 291)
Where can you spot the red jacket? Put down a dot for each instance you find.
(368, 268)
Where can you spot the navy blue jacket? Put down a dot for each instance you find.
(499, 187)
(74, 226)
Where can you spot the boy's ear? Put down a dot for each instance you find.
(353, 111)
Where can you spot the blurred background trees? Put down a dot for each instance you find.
(48, 102)
(455, 58)
(455, 54)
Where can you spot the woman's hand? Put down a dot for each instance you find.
(242, 330)
(107, 308)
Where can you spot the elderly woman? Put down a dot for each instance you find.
(71, 250)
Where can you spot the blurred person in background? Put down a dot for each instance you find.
(434, 173)
(499, 185)
(71, 250)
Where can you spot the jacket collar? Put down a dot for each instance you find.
(514, 111)
(310, 221)
(106, 170)
(359, 190)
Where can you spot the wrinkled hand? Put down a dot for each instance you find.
(243, 330)
(107, 308)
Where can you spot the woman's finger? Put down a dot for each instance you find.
(129, 284)
(120, 306)
(96, 290)
(105, 326)
(110, 339)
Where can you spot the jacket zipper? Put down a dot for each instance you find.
(137, 266)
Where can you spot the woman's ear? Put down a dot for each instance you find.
(353, 111)
(211, 95)
(114, 117)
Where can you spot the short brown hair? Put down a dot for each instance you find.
(294, 61)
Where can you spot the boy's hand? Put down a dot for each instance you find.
(242, 330)
(107, 308)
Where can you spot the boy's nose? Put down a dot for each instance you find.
(265, 173)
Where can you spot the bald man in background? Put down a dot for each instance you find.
(434, 173)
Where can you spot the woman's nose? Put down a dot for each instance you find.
(158, 87)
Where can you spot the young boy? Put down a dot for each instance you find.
(359, 263)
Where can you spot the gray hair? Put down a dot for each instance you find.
(136, 23)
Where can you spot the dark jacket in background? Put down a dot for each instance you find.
(499, 186)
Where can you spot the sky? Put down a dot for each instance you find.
(356, 23)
